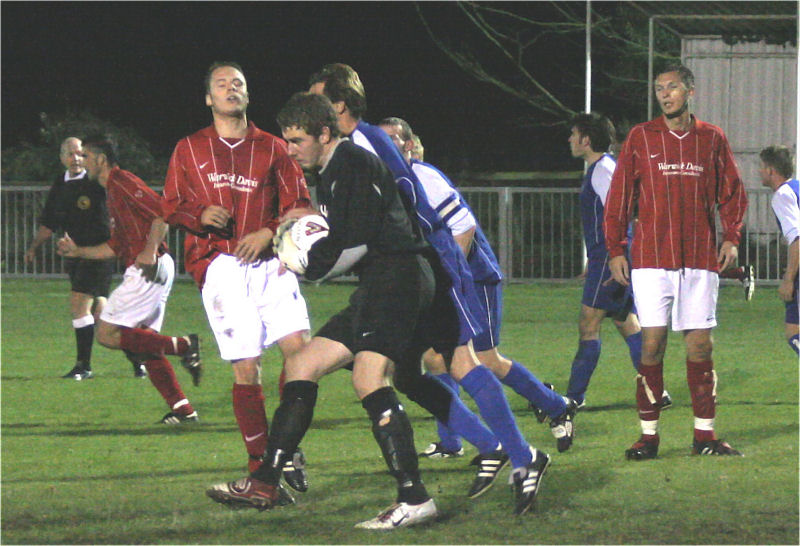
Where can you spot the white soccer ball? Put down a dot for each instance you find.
(295, 237)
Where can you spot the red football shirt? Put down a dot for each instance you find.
(252, 177)
(132, 206)
(677, 179)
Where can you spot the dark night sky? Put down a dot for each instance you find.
(141, 65)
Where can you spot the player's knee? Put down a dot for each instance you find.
(434, 362)
(497, 363)
(700, 351)
(589, 322)
(247, 371)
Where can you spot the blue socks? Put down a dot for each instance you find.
(528, 386)
(463, 422)
(449, 439)
(794, 341)
(485, 389)
(634, 342)
(583, 367)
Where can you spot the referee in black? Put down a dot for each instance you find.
(77, 206)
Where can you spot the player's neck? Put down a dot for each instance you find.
(681, 123)
(327, 152)
(347, 124)
(592, 157)
(230, 126)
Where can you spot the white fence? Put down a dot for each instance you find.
(536, 233)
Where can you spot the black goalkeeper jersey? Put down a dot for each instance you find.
(77, 207)
(358, 195)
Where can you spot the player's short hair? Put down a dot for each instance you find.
(103, 144)
(779, 158)
(309, 112)
(687, 76)
(64, 150)
(598, 128)
(213, 67)
(405, 129)
(342, 84)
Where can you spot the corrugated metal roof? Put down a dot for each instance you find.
(772, 22)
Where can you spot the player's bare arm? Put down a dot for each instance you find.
(66, 247)
(215, 216)
(619, 270)
(297, 213)
(147, 258)
(786, 288)
(250, 247)
(728, 253)
(464, 240)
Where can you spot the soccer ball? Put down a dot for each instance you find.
(294, 239)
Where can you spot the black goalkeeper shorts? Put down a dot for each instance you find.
(385, 310)
(91, 277)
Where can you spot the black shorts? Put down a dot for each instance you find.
(440, 327)
(393, 294)
(91, 277)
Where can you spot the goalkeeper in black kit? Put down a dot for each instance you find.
(372, 235)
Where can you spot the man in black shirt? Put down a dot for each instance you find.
(372, 235)
(77, 205)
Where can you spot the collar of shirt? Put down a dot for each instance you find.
(67, 176)
(326, 160)
(253, 132)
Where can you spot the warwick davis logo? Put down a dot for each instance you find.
(239, 183)
(683, 168)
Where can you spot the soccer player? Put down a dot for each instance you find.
(677, 170)
(226, 186)
(135, 311)
(776, 173)
(590, 138)
(454, 211)
(371, 233)
(77, 205)
(342, 85)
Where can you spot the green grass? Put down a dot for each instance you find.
(85, 463)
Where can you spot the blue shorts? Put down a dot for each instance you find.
(616, 300)
(791, 307)
(491, 296)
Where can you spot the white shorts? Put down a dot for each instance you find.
(690, 294)
(137, 302)
(250, 307)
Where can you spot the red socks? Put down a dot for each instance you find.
(649, 390)
(162, 376)
(702, 382)
(138, 340)
(248, 407)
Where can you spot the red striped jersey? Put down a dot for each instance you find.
(132, 206)
(252, 177)
(677, 180)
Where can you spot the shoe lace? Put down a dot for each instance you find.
(387, 514)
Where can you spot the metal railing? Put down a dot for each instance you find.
(536, 233)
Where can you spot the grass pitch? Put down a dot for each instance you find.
(86, 463)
